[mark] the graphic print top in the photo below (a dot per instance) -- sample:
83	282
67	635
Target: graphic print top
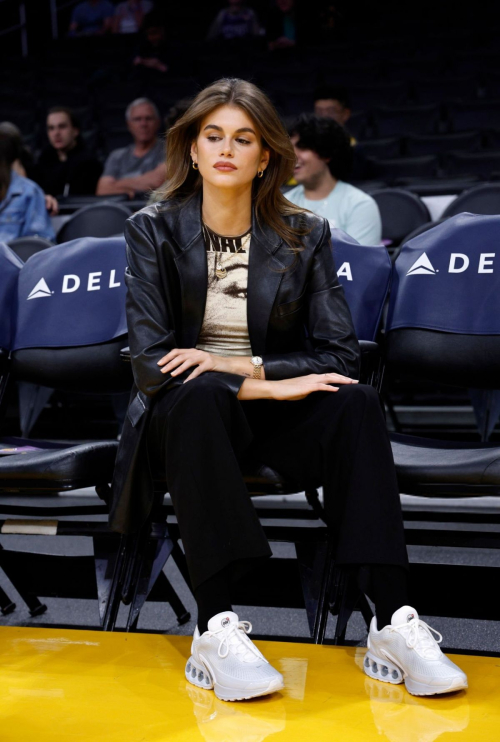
225	329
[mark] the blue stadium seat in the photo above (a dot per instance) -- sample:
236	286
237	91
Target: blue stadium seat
390	170
391	121
365	273
434	144
443	326
482	164
481	199
473	115
437	89
401	212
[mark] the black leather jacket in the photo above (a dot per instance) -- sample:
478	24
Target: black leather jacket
298	321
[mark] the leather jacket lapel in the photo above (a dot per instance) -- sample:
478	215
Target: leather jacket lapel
265	273
192	266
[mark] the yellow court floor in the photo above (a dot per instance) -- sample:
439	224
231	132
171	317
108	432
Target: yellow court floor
57	684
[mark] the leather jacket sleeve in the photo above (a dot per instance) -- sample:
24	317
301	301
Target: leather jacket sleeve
151	330
331	337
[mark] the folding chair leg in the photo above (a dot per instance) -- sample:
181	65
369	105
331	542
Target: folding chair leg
316	569
348	597
152	556
35	607
6	604
110	604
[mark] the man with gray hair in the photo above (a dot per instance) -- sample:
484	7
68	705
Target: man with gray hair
139	167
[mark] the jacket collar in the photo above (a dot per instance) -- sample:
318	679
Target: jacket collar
187	228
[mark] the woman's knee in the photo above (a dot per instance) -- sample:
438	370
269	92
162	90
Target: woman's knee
202	392
361	395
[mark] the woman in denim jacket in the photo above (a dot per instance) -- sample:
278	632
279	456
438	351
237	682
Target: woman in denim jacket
22	202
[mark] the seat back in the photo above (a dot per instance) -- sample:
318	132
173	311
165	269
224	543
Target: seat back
401	212
71	321
483	199
443	322
25	247
390	121
96	220
393	168
365	274
435	144
475	163
10	265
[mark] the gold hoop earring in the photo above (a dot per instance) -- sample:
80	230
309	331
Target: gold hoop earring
260	173
195	165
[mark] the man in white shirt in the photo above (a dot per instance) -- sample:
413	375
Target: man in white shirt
324	160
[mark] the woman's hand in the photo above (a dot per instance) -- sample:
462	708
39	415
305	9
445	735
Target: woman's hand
180	359
301	386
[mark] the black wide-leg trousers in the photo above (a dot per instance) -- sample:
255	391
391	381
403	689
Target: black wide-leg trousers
201	433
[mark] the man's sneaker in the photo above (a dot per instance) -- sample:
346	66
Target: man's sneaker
225	659
406	651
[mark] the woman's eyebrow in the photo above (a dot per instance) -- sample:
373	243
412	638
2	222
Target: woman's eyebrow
219	128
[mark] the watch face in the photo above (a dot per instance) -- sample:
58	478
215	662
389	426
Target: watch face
257	360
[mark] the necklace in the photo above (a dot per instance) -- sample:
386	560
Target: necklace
220	271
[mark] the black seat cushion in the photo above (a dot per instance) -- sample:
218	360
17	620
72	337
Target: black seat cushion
445	468
56	466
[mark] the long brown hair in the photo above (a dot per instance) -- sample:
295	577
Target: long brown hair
269	202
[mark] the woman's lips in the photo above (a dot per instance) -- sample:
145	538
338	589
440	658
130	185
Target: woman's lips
224	167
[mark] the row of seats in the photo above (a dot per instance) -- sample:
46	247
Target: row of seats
402	213
431	331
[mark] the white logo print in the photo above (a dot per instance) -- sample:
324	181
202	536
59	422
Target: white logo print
422	267
41	289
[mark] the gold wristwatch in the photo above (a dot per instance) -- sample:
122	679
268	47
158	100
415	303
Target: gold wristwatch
256	361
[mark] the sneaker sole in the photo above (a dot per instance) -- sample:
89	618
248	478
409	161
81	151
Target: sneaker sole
198	674
387	672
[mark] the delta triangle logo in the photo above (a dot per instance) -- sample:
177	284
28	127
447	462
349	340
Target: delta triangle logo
41	289
422	267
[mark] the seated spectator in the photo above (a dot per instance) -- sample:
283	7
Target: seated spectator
22	202
65	166
333	102
129	15
282	26
235	22
324	158
91	18
152	53
140	166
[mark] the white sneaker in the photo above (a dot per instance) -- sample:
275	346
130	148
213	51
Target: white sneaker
406	651
225	659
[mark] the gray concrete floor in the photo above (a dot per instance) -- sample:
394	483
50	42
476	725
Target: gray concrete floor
460	634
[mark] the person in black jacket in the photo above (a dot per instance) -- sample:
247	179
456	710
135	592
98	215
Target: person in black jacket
65	166
243	351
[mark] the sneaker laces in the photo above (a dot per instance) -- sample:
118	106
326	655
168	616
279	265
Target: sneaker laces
420	636
234	637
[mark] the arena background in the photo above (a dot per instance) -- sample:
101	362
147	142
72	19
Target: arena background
424	81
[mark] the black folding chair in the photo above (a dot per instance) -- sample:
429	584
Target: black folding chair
25	247
96	220
83	279
443	326
401	213
481	199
